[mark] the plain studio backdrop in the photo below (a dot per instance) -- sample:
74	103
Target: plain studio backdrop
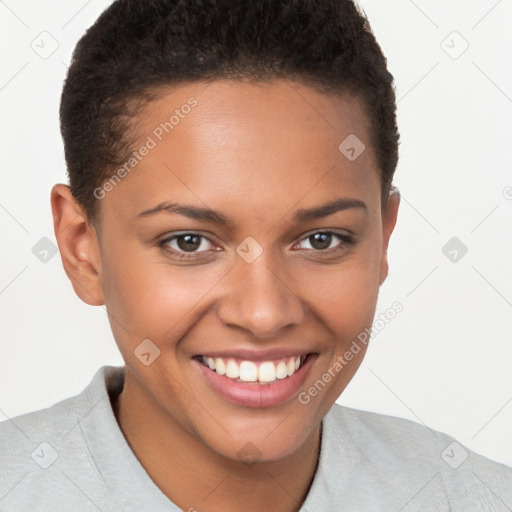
445	360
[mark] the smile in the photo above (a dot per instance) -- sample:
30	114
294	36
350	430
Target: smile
263	372
255	382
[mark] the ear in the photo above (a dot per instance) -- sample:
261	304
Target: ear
389	216
78	245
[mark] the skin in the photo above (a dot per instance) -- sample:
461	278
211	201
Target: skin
257	153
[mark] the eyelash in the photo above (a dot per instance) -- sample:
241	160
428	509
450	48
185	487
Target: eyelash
345	240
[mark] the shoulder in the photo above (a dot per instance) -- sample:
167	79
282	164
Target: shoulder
57	420
412	458
40	448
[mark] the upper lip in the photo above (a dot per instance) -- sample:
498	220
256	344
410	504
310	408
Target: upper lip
256	355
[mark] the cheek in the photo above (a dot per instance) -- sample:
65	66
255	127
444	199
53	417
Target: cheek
344	296
151	298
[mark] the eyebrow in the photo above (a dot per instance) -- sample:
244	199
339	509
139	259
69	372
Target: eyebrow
193	212
209	215
337	205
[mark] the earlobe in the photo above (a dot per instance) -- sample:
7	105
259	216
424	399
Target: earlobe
389	217
78	245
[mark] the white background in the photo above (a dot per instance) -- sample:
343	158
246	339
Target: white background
445	360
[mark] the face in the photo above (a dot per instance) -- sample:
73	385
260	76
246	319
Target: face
249	249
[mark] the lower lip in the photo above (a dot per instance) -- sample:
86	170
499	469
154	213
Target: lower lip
253	394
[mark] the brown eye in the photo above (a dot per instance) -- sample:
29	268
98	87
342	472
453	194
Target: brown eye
320	241
188	242
191	243
323	240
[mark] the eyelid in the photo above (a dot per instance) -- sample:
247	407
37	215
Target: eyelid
334	231
176	234
346	238
163	243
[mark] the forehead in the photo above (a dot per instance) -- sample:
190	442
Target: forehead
268	145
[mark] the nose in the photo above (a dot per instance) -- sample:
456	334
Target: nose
259	299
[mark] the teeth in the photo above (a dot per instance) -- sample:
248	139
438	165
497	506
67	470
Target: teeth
232	370
220	367
281	371
290	367
267	372
248	371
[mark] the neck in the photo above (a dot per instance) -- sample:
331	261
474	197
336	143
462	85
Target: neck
195	477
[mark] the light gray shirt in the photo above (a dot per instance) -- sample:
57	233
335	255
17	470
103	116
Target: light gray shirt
73	456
